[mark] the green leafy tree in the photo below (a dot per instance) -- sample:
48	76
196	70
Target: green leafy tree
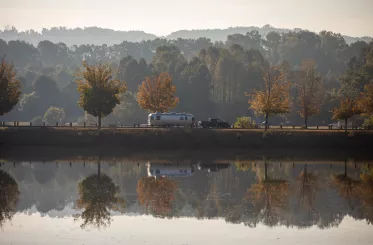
10	88
99	93
54	114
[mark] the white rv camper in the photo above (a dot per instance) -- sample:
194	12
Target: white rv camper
171	119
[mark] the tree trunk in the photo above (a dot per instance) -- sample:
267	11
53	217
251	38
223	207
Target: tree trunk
265	171
346	125
305	121
266	123
99	169
99	121
345	169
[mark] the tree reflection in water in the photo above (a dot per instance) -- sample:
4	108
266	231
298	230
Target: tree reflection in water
156	193
9	196
309	186
98	195
366	193
268	196
346	186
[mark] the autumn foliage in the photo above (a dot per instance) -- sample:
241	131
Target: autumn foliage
10	88
157	94
273	97
99	93
156	193
366	102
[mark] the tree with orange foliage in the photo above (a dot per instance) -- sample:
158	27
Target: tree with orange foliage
366	101
157	94
268	196
156	193
273	98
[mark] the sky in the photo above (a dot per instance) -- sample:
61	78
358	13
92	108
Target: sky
161	17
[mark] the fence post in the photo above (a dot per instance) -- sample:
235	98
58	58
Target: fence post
293	126
317	127
280	126
43	124
14	123
71	124
17	124
30	124
56	124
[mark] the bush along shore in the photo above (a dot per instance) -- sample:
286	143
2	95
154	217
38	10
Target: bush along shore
187	138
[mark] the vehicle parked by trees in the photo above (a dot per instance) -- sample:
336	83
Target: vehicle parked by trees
214	123
171	119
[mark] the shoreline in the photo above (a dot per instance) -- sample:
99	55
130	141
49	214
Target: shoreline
123	142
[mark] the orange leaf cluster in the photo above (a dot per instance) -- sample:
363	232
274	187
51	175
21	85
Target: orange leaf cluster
157	94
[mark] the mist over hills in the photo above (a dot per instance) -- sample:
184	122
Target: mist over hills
100	36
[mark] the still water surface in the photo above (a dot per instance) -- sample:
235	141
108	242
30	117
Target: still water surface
186	202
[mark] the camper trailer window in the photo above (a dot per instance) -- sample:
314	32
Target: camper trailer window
152	118
186	118
158	118
181	118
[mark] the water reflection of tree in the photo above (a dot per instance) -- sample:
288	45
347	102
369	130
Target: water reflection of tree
366	193
268	196
346	186
9	196
156	193
97	196
308	187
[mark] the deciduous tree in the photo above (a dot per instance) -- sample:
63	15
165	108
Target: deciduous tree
308	87
99	92
273	97
366	101
10	88
157	94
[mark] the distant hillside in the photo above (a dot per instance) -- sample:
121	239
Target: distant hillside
221	34
77	36
100	36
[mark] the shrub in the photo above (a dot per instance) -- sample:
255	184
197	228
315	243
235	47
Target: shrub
244	122
368	122
54	114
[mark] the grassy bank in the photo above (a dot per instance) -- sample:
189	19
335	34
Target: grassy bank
188	139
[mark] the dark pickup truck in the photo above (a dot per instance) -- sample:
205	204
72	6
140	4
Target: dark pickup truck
214	123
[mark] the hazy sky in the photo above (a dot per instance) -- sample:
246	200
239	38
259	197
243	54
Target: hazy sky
161	17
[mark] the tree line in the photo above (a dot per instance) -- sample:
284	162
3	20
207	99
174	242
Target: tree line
301	77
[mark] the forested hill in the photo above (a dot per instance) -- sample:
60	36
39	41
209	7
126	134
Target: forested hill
101	36
77	36
221	34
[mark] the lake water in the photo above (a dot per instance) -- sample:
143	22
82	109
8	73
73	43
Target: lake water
186	202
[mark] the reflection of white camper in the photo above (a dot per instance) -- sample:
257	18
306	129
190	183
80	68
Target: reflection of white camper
170	170
341	124
170	119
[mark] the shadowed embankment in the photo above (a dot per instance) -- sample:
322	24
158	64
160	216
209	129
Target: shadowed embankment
181	139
